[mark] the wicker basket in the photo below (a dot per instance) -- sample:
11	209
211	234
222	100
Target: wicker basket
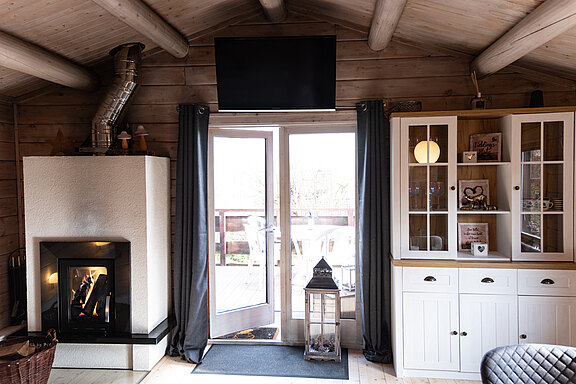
33	369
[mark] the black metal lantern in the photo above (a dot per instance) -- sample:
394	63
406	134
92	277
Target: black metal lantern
322	315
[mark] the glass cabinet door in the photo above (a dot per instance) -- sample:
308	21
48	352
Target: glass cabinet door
426	188
545	187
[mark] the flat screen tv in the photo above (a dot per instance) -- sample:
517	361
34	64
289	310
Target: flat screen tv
276	73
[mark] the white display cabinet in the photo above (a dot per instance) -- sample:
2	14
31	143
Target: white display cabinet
516	198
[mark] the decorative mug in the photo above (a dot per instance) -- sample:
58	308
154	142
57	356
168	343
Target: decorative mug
547	204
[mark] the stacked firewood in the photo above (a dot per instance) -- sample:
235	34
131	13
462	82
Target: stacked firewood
16	351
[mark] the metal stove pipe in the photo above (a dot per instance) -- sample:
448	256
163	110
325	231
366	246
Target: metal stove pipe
127	58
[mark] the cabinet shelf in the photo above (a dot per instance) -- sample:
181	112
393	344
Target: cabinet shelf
492	256
497	212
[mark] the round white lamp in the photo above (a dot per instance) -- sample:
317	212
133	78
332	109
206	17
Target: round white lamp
427	152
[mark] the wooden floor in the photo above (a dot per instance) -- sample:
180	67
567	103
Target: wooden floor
174	370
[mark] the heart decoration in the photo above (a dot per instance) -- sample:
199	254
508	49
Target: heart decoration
481	248
471	193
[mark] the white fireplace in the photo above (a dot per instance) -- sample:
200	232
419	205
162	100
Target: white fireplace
104	198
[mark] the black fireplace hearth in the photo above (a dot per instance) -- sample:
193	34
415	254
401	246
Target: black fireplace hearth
86	287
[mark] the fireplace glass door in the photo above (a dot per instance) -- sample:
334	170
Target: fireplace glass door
87	302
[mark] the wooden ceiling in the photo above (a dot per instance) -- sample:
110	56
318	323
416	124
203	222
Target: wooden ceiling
84	31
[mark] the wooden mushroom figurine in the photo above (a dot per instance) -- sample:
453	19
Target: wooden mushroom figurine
124	136
140	131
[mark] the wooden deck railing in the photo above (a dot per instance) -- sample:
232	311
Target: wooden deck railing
232	220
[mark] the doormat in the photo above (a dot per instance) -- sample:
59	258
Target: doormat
262	333
269	360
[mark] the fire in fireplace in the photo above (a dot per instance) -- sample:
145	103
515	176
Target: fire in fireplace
88	294
87	289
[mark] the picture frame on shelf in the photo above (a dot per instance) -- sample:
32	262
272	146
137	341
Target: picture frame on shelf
469	157
472	189
469	233
487	145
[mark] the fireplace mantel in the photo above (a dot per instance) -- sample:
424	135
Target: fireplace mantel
104	198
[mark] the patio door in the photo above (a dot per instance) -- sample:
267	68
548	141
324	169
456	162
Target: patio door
318	201
241	259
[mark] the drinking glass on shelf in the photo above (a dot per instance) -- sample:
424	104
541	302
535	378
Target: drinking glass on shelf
414	192
436	192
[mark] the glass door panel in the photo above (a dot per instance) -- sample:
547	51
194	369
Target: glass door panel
552	233
241	261
530	188
554	141
543	171
240	203
428	188
553	187
417	189
439	232
530	142
322	170
418	232
417	133
439	135
530	238
438	183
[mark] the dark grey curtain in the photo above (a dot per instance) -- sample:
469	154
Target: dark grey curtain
374	228
190	336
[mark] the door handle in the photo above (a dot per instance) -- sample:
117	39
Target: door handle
463	333
429	278
487	280
523	336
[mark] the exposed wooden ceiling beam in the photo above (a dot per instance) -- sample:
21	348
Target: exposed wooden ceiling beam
143	19
550	19
384	22
26	57
275	9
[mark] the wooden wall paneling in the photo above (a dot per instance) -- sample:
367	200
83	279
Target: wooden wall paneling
9	229
163	76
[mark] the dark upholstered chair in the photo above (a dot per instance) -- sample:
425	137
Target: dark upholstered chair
529	363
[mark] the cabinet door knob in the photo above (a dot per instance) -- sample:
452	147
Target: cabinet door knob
547	282
517	188
463	333
429	278
523	336
453	188
487	280
453	333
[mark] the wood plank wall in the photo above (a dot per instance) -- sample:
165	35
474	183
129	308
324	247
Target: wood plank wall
400	72
8	207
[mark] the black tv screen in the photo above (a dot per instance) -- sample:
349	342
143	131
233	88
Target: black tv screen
276	73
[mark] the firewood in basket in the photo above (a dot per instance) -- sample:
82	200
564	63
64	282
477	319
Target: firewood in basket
97	298
16	351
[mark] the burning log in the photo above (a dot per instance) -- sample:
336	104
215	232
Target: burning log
79	300
96	303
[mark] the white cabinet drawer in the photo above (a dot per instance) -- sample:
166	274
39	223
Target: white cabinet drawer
546	282
416	279
492	281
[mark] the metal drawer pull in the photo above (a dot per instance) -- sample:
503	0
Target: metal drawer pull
547	282
487	280
429	278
